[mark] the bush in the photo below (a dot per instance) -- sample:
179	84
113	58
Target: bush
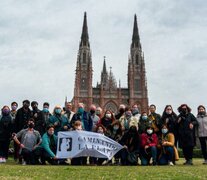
197	153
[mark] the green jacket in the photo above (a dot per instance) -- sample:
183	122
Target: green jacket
46	143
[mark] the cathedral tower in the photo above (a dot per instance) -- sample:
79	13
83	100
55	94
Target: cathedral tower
84	71
136	72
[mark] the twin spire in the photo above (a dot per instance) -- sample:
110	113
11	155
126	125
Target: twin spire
84	35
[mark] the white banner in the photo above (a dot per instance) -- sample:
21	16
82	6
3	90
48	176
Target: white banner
83	143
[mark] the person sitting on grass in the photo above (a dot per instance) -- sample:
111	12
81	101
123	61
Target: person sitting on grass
130	141
148	147
49	146
166	147
30	140
115	132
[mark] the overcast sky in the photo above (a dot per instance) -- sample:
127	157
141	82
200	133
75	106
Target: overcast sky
39	42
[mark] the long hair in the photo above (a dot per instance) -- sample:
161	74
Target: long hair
180	108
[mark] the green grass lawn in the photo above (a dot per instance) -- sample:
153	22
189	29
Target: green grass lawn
11	170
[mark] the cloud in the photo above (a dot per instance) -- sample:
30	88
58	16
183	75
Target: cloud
39	42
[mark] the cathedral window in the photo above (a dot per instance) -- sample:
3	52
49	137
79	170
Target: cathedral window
84	58
137	59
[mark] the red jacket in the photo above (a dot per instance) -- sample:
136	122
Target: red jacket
147	140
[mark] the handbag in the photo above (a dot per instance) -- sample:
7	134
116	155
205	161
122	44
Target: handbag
132	158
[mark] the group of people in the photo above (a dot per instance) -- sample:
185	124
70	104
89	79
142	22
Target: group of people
149	136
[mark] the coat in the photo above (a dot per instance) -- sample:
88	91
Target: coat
202	126
148	140
170	141
46	143
61	122
6	127
186	136
87	122
21	119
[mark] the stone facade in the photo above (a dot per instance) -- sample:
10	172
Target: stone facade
107	94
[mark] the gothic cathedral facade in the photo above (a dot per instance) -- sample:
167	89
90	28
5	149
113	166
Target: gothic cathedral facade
107	94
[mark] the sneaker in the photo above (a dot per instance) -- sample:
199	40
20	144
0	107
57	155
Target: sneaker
170	163
188	162
154	163
205	161
24	163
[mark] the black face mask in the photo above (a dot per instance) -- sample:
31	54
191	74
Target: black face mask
92	111
31	125
26	106
121	110
203	113
184	111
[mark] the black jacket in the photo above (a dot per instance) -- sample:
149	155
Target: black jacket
185	134
21	119
6	127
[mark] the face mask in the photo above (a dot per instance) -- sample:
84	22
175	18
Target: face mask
184	111
31	125
128	115
14	108
92	111
115	128
26	106
5	111
98	112
58	111
149	131
45	110
202	113
164	131
135	111
50	133
168	112
80	110
121	110
108	116
144	117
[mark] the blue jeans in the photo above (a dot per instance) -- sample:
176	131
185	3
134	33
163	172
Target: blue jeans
147	154
167	155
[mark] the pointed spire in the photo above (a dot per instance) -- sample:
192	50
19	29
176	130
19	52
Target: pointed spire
135	36
84	35
104	65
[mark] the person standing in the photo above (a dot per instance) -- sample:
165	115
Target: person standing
22	116
84	117
42	119
186	132
135	112
155	119
68	111
58	120
14	107
6	128
202	130
121	112
94	117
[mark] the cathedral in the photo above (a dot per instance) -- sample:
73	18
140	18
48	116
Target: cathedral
107	94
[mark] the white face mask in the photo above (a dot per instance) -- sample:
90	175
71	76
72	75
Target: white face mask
164	131
149	131
108	115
